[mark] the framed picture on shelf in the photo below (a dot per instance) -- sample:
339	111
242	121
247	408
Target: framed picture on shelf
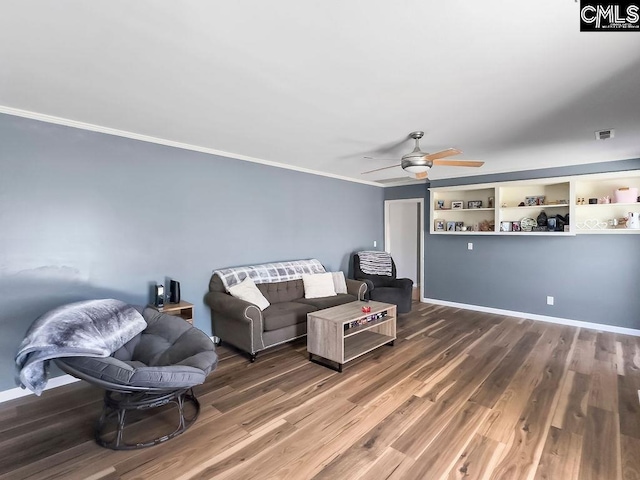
536	200
515	226
457	205
505	226
474	204
439	225
459	226
451	226
440	204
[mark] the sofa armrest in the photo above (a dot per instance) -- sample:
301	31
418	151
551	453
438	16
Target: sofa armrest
369	288
227	305
404	283
236	321
357	288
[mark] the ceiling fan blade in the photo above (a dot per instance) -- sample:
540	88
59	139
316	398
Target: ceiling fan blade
459	163
378	169
443	153
422	175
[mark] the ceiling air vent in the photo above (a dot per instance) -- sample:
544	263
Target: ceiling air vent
605	134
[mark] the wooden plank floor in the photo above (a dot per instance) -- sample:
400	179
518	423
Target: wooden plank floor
461	395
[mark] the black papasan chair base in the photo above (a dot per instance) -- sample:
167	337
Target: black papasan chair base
118	403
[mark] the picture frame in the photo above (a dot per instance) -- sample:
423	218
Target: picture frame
474	204
534	200
457	205
505	226
439	225
459	226
440	204
515	226
451	226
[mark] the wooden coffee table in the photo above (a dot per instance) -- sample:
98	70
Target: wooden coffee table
340	334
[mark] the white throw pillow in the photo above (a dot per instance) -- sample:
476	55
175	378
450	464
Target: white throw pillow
318	285
339	283
247	291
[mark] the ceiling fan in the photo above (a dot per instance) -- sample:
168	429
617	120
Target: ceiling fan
419	163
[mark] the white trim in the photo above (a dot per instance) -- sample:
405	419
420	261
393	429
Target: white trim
534	316
170	143
18	392
387	241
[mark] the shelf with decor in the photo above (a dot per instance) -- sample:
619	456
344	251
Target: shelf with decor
603	202
463	211
535	207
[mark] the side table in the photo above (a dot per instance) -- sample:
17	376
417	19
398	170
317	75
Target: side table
182	309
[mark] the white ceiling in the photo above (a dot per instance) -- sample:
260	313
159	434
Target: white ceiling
321	84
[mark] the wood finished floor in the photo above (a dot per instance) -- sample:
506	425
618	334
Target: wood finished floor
461	395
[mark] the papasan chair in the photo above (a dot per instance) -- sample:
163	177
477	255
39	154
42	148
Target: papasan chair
158	365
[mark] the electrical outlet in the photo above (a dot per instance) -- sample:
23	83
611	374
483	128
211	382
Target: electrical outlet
375	244
470	246
550	300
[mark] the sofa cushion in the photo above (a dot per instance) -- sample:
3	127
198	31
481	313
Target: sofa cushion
284	314
247	291
326	302
339	282
318	286
287	291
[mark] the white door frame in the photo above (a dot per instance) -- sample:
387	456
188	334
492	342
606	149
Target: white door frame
387	233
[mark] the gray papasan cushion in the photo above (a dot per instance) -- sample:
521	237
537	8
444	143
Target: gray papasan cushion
169	353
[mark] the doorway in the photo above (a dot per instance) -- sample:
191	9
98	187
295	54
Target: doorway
404	239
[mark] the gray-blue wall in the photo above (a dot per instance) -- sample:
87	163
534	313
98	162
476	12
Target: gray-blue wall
88	215
594	278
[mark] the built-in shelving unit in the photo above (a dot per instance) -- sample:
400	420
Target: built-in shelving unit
509	208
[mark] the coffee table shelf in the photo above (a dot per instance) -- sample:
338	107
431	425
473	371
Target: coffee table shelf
330	340
367	326
363	343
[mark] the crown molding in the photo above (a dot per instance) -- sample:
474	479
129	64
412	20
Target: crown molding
170	143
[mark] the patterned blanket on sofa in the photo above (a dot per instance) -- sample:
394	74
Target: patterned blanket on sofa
269	272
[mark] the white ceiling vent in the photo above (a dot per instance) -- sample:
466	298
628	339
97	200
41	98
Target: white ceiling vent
605	134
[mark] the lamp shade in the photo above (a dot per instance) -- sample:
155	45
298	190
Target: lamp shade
417	168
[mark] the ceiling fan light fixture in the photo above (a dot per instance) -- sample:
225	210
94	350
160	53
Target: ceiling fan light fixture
417	168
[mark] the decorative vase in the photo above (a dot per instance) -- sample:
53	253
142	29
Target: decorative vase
542	219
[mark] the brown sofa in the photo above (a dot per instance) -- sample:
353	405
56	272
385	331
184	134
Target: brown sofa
244	326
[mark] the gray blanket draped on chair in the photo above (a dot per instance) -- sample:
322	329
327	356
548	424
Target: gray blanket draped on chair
94	328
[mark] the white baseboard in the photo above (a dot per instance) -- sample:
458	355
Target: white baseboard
534	316
18	392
